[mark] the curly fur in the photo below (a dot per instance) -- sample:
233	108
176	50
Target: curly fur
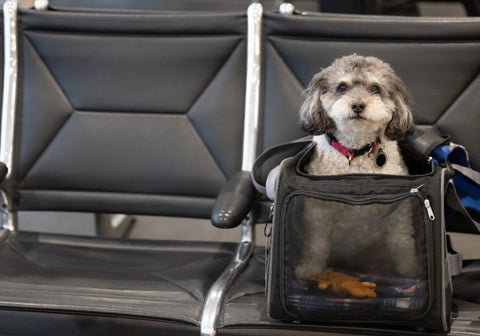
329	107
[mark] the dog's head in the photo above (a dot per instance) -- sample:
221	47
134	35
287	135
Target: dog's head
357	96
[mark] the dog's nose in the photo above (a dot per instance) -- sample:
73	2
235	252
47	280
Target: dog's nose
358	107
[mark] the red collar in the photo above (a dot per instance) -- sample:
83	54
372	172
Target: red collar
349	153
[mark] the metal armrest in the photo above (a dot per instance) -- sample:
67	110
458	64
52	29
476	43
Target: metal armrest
234	201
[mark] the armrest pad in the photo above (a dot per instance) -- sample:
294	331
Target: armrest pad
234	201
3	171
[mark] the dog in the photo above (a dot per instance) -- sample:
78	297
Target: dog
357	109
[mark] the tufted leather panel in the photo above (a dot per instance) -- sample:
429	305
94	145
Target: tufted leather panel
118	108
438	59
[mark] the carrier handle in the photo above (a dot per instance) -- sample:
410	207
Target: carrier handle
425	139
465	222
274	156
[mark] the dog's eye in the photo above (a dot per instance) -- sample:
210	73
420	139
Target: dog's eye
342	88
375	89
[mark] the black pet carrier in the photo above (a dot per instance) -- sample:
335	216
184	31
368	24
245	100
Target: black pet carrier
359	248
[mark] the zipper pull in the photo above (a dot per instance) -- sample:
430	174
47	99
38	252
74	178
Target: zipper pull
431	215
270	213
426	201
416	190
267	231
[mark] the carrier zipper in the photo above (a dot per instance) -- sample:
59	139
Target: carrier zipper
426	202
418	192
353	200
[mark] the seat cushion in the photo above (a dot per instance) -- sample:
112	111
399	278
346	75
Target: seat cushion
156	279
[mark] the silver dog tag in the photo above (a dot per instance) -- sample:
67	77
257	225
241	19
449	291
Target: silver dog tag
380	158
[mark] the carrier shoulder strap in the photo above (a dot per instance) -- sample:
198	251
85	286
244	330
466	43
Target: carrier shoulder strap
468	172
425	139
463	222
460	195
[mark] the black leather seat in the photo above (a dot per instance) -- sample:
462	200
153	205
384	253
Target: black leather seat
438	59
117	113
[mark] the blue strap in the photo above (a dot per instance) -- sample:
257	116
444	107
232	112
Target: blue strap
453	154
467	188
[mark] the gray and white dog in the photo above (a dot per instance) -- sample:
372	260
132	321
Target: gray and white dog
357	109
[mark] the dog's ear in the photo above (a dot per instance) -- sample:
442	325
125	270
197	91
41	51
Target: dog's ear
401	126
313	117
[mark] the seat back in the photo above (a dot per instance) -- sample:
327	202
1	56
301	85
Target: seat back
127	112
172	5
439	60
148	5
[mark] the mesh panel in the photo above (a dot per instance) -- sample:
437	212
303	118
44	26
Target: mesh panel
361	258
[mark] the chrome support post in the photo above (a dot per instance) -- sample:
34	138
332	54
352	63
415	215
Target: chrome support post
41	4
214	302
9	218
286	8
212	308
10	9
252	100
9	82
